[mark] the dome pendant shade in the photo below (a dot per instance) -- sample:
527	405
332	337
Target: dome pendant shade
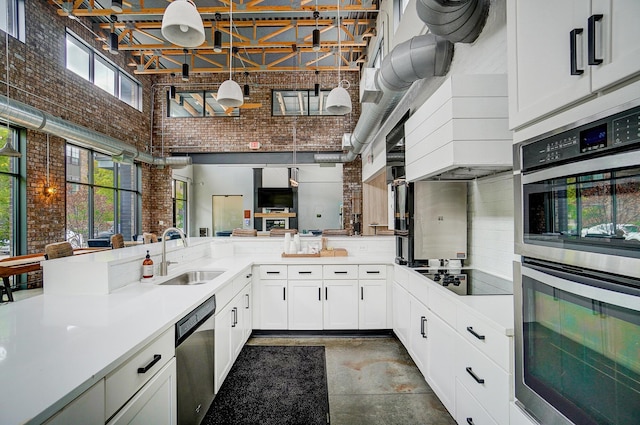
338	101
230	94
8	150
182	24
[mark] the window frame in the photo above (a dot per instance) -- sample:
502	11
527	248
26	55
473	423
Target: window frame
310	94
175	198
119	73
16	18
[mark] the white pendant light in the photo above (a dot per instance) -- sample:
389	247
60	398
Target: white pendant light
339	101
229	93
182	24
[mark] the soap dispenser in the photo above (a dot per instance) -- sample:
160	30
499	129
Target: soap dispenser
147	267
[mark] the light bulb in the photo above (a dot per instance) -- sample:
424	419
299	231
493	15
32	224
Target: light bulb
184	28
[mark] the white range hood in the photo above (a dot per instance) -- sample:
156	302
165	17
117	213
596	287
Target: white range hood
461	132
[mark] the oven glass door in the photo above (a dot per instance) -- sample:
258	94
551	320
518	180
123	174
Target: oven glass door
581	348
597	212
401	208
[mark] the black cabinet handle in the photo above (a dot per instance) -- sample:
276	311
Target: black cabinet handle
326	293
591	40
373	271
319	294
474	376
423	327
470	421
573	47
248	303
156	359
235	317
362	292
273	272
474	333
249	276
304	272
284	293
340	272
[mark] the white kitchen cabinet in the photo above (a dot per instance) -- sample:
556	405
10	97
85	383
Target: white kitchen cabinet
469	410
540	35
273	304
155	403
441	360
340	306
305	305
401	314
372	308
247	312
419	334
86	409
518	417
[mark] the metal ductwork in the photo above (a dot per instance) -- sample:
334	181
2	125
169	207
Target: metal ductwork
421	57
456	20
32	118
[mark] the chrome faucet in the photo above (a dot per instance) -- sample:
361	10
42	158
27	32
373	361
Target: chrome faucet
164	264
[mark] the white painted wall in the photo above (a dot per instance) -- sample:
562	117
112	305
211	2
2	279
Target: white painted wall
490	224
209	180
319	193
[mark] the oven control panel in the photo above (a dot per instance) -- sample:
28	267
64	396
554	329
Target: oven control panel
616	132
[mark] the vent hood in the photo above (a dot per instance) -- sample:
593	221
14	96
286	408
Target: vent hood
461	132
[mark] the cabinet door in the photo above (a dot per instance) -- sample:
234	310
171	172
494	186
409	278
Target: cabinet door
420	335
238	325
617	34
401	313
372	310
340	304
155	403
223	350
441	361
273	304
305	304
540	79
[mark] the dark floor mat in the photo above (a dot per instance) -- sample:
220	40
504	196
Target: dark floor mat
273	385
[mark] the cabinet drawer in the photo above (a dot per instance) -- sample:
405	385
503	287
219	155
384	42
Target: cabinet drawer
442	304
468	410
419	287
125	381
241	280
305	272
273	272
484	379
401	275
337	271
372	271
479	333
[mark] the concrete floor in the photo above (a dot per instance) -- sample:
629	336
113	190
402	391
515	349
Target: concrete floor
372	381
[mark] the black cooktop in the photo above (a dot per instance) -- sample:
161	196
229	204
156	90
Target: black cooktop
469	281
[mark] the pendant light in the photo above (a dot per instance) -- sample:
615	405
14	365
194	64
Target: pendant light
113	37
7	149
116	6
316	31
245	90
182	24
229	92
217	36
185	67
339	101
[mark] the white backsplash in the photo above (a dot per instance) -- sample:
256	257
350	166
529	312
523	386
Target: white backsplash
490	224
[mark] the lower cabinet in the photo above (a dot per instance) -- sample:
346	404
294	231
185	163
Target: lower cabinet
273	304
401	314
155	403
232	328
419	338
468	410
305	305
372	307
340	307
441	359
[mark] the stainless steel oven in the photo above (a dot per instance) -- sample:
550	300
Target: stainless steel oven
577	345
577	286
580	195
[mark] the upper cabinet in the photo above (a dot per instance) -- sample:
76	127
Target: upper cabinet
561	53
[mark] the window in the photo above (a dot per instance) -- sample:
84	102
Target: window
379	54
298	102
399	7
103	196
12	18
197	104
179	190
95	68
10	197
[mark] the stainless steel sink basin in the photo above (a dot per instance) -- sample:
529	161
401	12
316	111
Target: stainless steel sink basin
194	277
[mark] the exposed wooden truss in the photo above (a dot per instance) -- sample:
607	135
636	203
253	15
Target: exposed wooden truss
268	36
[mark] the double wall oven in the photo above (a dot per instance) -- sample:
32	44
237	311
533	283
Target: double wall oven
577	286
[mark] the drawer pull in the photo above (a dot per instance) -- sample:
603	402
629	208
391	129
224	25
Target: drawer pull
474	376
248	306
423	327
362	292
284	293
273	272
156	359
573	51
249	276
373	271
474	333
340	272
591	40
470	421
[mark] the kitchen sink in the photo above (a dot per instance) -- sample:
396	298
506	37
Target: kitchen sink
194	277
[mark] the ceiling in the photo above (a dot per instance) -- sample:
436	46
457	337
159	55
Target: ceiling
270	35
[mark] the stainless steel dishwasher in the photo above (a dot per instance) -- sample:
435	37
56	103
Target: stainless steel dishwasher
194	359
